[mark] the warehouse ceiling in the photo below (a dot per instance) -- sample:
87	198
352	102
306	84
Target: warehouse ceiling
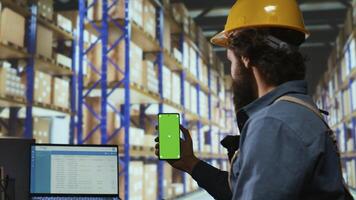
322	17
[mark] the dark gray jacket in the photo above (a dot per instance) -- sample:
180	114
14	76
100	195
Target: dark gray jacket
285	154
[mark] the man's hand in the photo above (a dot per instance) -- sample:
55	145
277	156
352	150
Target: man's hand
187	159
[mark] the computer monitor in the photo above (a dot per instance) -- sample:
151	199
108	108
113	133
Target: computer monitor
68	170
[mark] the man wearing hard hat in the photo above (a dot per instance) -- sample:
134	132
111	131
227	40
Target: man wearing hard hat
286	150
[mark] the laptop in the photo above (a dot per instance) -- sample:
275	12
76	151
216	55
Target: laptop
74	171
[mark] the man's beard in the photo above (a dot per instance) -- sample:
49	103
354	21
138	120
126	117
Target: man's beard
244	87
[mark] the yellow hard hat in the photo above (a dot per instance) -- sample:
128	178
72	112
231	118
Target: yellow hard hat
262	14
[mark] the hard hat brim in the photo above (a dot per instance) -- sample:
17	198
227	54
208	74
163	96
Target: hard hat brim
221	39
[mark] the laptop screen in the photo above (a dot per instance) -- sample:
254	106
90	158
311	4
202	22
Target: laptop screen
74	170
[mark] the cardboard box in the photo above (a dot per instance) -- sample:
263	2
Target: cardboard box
166	4
178	55
136	180
64	23
60	92
148	73
121	183
136	137
10	83
167	182
12	27
178	189
136	55
150	181
353	53
187	95
45	8
118	10
193	30
149	140
181	15
149	18
44	41
194	99
346	103
176	94
348	25
64	60
42	129
42	90
167	80
167	35
193	61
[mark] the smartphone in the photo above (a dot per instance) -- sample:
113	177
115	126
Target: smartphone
169	136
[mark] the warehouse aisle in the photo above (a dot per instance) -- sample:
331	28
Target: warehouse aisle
201	194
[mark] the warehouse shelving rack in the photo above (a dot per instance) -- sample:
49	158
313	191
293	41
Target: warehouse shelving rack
34	62
342	124
132	31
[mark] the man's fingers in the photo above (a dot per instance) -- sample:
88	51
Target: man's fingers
185	133
157	152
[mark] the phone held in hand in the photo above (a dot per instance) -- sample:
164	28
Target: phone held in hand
169	136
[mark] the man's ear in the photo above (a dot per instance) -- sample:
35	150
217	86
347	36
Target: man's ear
246	61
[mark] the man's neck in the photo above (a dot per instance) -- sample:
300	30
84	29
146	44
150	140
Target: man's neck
262	87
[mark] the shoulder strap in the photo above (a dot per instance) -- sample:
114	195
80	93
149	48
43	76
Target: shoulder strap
331	133
302	103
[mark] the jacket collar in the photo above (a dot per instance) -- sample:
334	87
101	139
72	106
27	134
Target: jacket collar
299	87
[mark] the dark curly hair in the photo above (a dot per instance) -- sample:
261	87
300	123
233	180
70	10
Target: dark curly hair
277	65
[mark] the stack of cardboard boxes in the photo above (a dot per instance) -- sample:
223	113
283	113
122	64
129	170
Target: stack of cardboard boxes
167	182
42	91
194	99
136	180
12	27
10	82
187	96
193	62
150	181
44	41
45	8
136	71
176	93
60	92
350	169
42	129
181	15
204	107
150	76
167	83
149	18
186	53
117	11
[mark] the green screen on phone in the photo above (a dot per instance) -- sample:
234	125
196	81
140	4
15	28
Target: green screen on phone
169	136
